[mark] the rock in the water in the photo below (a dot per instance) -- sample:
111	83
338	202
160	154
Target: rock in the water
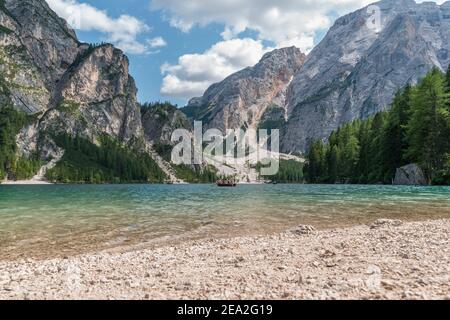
409	175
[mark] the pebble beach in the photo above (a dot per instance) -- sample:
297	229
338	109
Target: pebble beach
388	259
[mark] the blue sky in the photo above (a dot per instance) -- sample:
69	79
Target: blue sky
177	48
146	68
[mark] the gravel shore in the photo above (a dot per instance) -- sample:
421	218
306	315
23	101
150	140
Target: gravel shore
386	260
24	182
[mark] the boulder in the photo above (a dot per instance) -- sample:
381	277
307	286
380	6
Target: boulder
409	175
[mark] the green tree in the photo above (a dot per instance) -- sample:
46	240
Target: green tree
415	129
374	152
364	156
394	141
110	162
11	163
428	130
316	168
333	161
447	80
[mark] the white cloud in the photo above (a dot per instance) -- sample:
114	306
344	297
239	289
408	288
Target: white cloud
285	22
122	31
157	42
194	73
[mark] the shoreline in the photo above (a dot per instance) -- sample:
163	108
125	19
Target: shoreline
389	259
257	183
25	183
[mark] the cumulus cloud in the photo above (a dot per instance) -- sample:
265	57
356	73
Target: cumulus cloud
285	22
157	42
122	31
193	73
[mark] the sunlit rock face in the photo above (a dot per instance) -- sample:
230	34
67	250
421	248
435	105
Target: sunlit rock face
98	96
242	99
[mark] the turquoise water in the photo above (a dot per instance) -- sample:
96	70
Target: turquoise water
42	221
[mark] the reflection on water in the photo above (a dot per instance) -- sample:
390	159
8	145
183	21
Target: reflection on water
43	221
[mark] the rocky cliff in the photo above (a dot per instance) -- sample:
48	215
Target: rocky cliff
356	69
71	87
242	99
160	120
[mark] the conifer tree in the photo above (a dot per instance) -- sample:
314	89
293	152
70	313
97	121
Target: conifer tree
416	129
374	153
394	142
317	165
447	80
428	132
333	162
364	160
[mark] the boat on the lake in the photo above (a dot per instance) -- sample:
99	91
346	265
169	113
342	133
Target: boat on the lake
226	183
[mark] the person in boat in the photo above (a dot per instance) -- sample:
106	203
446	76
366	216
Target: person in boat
226	183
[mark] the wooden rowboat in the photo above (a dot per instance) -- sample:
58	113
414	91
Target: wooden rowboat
226	183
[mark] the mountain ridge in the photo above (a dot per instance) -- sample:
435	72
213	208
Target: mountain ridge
241	99
353	73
